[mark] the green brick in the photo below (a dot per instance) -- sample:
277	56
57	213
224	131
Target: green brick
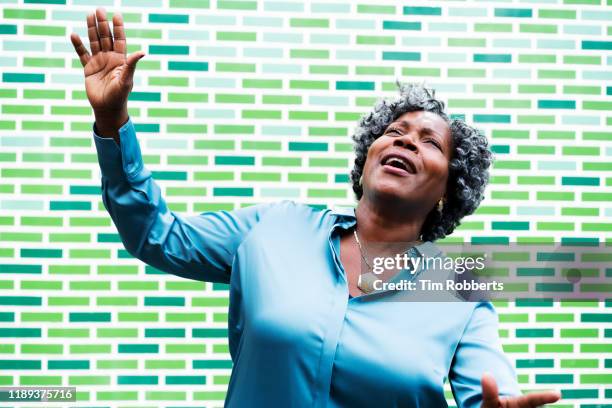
579	363
538	28
236	36
313	54
281	99
308	84
375	9
582	59
309	22
328	69
419	72
580	151
262	83
578	333
260	176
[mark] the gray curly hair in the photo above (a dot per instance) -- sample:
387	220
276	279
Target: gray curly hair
468	167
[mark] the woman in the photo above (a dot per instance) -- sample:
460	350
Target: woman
303	330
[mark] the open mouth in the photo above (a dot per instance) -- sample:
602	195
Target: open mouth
398	162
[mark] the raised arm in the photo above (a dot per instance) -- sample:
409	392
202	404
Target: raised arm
198	247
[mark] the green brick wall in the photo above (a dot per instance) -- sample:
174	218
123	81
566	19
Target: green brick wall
239	102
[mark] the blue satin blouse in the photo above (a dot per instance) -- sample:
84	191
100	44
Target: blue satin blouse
296	338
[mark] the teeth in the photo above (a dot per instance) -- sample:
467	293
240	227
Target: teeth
396	160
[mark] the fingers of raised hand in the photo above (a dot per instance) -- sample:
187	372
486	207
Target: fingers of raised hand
92	33
119	34
531	400
80	48
106	39
490	397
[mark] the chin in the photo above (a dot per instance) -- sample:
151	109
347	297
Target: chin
388	190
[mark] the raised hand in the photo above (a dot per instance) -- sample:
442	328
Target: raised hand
109	74
491	398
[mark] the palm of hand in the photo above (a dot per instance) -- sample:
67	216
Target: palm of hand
103	79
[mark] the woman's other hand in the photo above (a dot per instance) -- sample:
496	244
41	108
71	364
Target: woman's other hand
109	74
491	398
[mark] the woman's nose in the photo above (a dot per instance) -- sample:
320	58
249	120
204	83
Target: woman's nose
406	141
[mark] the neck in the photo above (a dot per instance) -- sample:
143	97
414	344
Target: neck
378	224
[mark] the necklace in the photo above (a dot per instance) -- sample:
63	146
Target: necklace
366	284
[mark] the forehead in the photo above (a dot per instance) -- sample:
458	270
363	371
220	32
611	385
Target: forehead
425	119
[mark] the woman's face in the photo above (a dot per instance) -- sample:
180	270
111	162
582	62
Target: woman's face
409	162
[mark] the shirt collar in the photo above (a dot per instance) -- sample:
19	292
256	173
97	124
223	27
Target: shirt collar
343	214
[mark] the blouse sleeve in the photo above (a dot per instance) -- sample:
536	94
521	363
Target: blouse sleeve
480	350
199	247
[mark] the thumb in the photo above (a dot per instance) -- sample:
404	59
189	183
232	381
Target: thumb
128	73
490	396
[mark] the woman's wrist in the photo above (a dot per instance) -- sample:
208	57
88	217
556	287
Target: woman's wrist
108	123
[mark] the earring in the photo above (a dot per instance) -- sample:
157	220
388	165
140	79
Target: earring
440	205
361	180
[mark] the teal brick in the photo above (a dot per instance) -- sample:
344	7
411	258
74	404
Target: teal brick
507	12
17	268
90	317
187	66
145	96
596	317
87	190
510	225
597	45
7	317
534	333
169	175
169	49
354	86
164	301
235	160
20	365
206	333
185	380
8	29
69	205
401	56
579	181
211	364
40	253
506	58
422	11
535	363
554	378
146	127
137	380
308	147
178	333
20	301
20	332
401	25
169	18
556	104
484	118
68	365
233	192
138	348
18	77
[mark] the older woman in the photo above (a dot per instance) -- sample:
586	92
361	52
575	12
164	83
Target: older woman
304	331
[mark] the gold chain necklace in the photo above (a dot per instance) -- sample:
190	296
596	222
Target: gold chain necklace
369	276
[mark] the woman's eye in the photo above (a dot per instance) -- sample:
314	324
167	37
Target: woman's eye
435	143
394	131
